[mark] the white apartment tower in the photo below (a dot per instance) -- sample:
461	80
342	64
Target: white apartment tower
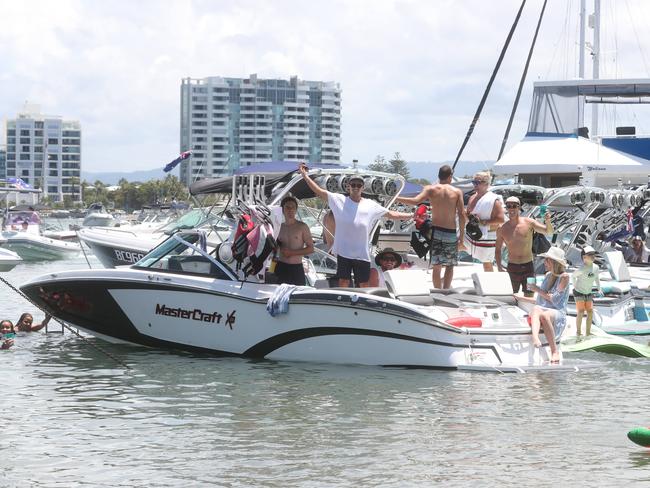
45	152
233	122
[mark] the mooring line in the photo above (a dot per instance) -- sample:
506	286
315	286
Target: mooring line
65	326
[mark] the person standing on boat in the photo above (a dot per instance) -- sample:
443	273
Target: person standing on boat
584	280
446	203
294	241
355	217
549	312
517	235
486	209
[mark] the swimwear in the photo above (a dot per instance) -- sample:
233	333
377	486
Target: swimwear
444	246
292	274
346	266
583	297
519	274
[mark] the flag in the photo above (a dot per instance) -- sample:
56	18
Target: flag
630	218
174	163
18	183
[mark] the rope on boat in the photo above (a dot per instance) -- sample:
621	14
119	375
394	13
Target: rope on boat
65	326
81	245
521	84
489	86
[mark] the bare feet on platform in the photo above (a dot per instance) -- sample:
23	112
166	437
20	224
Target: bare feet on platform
555	358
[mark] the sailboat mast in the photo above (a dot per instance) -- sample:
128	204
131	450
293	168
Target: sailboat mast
596	65
583	16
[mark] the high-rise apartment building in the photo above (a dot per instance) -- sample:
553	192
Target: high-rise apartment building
45	152
3	163
233	122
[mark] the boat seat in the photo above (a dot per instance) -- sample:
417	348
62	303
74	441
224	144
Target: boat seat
375	291
492	284
442	300
197	265
485	300
409	285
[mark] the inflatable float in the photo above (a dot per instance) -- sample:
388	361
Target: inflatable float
640	436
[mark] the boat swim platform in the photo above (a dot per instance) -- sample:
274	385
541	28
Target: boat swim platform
565	366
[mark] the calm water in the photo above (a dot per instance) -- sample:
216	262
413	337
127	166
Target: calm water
75	418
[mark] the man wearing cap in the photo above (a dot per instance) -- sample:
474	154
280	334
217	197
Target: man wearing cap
517	235
584	280
446	203
355	217
637	252
386	260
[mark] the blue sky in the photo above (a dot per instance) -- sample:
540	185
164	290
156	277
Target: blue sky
412	72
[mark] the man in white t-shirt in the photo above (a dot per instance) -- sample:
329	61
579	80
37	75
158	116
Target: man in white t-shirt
355	217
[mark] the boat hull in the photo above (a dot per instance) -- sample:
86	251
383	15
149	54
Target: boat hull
230	318
38	248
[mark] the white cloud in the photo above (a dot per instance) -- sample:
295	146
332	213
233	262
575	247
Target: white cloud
412	72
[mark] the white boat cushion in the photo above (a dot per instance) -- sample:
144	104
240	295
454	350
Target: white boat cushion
492	283
407	282
617	266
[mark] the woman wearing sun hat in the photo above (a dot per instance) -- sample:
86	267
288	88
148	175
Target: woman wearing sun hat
385	260
549	312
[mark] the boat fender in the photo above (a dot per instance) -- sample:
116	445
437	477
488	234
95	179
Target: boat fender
465	321
640	436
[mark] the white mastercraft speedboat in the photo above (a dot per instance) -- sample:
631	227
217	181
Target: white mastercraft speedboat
190	293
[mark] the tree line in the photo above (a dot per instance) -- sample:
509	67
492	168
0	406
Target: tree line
128	196
395	165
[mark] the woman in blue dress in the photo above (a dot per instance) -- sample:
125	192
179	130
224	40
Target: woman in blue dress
549	312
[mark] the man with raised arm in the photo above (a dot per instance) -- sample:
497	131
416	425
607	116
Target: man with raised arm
355	217
446	203
517	235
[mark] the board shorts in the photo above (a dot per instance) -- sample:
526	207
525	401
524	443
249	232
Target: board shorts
519	274
444	246
292	274
345	267
583	297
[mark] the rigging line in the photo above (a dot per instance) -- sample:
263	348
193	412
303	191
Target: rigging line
636	35
489	85
65	326
521	82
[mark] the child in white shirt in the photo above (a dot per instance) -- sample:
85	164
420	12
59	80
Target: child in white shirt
583	280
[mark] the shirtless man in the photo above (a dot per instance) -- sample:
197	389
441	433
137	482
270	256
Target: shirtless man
446	204
517	235
355	217
295	241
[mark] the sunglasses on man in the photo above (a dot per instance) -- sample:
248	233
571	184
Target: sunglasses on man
356	185
478	182
512	205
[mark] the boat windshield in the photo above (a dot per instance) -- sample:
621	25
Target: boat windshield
182	253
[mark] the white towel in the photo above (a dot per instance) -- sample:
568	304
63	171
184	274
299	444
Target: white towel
483	209
483	249
279	301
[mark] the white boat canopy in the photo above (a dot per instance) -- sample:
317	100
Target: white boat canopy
546	154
